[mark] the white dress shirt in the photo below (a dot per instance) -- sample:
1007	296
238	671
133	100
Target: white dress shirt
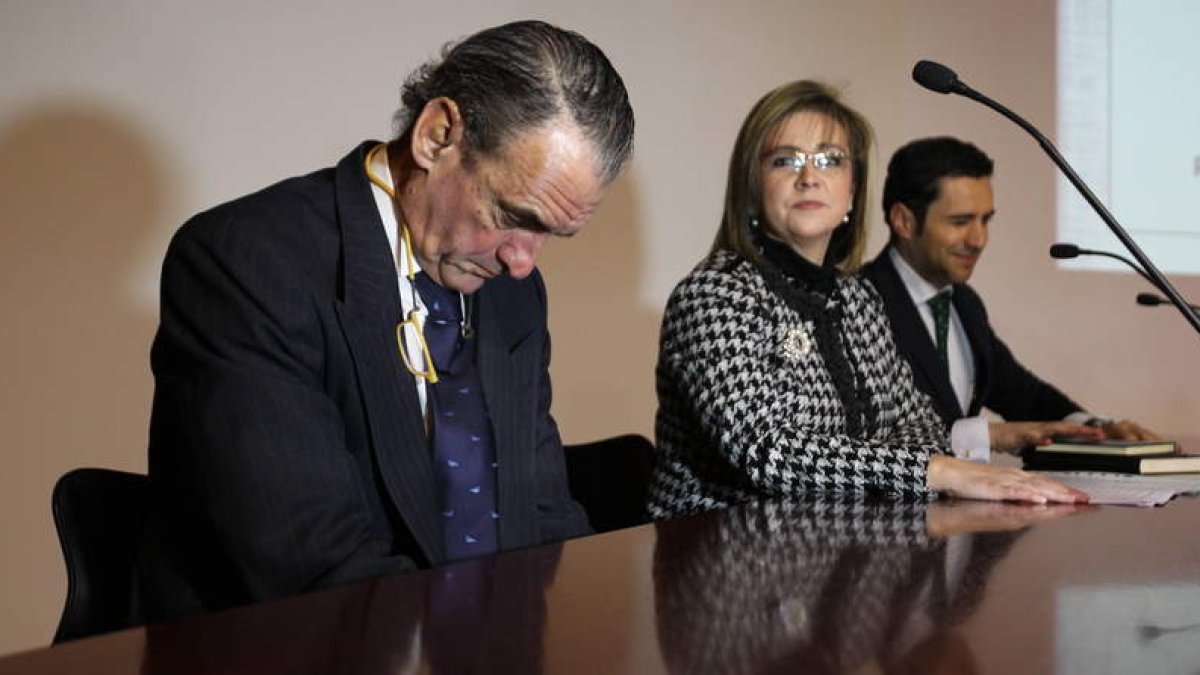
409	298
969	437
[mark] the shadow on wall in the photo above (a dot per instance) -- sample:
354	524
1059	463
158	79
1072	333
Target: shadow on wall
605	341
82	192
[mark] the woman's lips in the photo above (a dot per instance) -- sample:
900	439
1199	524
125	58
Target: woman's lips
809	205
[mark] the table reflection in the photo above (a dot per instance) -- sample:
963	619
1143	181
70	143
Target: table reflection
837	585
822	586
485	615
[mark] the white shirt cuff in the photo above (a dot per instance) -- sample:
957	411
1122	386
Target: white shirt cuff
970	440
1083	417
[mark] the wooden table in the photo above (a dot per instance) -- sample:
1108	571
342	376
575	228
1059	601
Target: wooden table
822	586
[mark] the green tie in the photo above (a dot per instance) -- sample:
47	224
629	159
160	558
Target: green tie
940	304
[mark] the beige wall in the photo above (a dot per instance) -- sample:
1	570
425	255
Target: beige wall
119	119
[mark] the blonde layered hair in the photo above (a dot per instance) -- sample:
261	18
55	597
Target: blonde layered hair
743	191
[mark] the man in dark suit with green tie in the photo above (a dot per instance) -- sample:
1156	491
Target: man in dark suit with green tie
938	202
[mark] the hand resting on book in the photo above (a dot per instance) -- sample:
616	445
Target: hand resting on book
1012	437
1128	430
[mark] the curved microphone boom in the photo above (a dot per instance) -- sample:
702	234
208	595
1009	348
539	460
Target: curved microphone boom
1068	251
936	77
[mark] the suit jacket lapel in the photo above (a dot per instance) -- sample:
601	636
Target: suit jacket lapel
506	373
913	339
369	317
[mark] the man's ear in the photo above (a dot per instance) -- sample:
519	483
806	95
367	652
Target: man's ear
903	221
437	131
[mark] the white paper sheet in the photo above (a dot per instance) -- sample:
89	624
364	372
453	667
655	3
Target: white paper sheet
1128	489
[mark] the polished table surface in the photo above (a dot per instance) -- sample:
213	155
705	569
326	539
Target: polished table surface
826	586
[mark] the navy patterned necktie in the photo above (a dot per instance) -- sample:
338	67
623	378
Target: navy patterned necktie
940	304
464	454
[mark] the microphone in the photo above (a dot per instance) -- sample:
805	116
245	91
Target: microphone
1067	251
1152	300
936	77
939	78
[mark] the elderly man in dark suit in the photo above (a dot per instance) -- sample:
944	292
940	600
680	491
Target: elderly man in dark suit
351	366
938	202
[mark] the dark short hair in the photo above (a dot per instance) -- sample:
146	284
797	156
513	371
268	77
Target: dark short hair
743	188
518	76
915	171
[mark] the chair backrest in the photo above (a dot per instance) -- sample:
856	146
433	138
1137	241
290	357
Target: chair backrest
99	515
611	479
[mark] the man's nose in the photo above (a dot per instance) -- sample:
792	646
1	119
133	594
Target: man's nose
519	253
977	235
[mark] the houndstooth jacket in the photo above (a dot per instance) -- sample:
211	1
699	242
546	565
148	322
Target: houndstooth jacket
769	388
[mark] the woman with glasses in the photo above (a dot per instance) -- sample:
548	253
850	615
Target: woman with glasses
777	373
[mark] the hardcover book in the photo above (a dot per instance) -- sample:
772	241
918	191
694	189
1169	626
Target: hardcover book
1153	464
1109	447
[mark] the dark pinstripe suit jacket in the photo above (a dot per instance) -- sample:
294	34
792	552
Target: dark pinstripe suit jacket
287	448
1002	384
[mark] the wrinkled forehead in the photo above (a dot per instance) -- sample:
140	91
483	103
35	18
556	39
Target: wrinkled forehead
555	146
553	170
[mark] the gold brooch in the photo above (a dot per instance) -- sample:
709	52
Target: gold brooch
796	344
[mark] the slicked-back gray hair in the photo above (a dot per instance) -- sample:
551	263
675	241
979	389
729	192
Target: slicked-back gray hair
521	75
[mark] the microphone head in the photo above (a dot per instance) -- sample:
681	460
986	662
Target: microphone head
1149	299
936	77
1064	251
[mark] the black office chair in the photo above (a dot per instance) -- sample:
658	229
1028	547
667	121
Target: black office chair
99	515
611	479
